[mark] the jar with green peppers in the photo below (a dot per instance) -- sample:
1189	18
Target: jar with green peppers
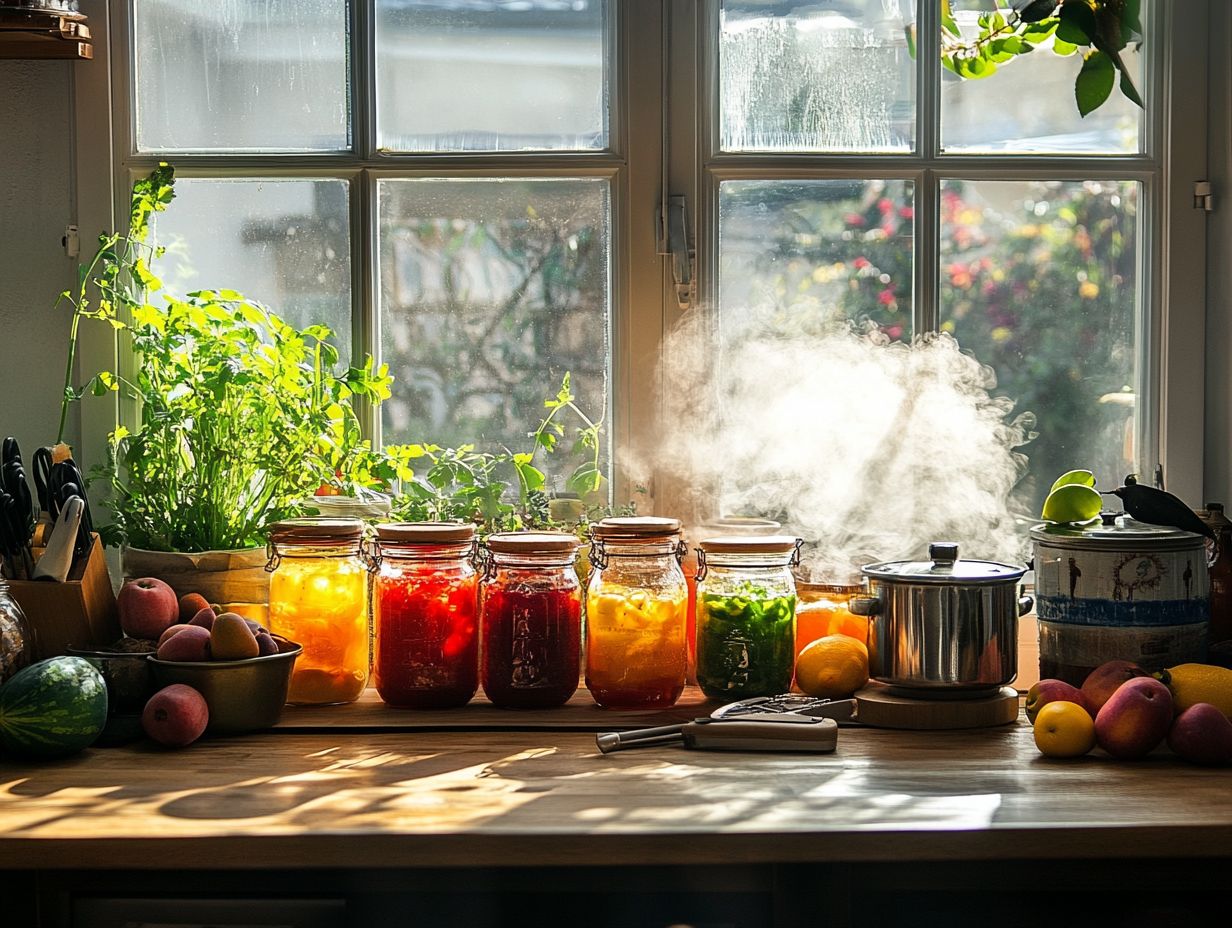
746	615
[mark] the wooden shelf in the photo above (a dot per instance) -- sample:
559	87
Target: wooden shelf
41	35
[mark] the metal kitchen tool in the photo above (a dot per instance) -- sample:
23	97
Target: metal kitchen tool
786	709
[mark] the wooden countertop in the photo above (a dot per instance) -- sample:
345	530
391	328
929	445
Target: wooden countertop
485	798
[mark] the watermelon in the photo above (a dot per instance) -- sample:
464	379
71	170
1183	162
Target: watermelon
52	709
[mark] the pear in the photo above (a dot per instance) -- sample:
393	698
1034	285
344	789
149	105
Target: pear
231	639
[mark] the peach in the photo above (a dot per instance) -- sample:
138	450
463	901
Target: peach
147	606
1046	691
1135	718
192	643
171	630
190	605
1105	679
204	618
1202	734
175	716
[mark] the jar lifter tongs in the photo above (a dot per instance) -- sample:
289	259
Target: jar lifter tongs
765	723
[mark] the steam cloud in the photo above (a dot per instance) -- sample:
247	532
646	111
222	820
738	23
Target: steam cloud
866	448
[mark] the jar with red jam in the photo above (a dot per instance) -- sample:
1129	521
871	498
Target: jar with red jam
425	615
530	607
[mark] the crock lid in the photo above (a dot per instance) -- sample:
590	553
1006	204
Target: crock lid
533	543
316	531
425	533
944	566
1115	532
743	525
749	544
636	529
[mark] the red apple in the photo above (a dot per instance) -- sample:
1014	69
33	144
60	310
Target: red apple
1135	719
1046	691
147	607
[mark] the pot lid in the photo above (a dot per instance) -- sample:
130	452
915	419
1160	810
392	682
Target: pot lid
534	543
945	567
635	529
316	531
425	533
1113	532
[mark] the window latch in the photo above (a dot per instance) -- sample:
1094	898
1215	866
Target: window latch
1204	199
674	242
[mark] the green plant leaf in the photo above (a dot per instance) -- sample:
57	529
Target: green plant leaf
1130	91
1081	477
1095	81
1077	25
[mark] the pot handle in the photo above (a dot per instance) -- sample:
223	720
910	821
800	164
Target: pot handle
1025	604
864	605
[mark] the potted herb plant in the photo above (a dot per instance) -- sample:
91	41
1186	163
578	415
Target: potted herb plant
239	415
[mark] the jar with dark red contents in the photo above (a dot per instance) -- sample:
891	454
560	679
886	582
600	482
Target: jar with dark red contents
425	615
530	604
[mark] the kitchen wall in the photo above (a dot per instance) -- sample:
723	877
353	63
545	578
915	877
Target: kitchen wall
1218	477
36	203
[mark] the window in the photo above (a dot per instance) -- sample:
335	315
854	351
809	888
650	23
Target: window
476	192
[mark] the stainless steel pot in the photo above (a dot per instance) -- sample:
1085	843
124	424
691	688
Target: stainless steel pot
943	627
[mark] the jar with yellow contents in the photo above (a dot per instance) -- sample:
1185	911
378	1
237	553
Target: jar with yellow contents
319	598
636	601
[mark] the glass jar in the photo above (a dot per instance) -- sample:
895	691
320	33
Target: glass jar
425	615
16	635
636	601
746	615
530	615
319	598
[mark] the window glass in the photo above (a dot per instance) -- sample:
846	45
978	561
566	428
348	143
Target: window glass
491	290
1040	281
241	75
805	250
284	243
1028	106
831	76
501	75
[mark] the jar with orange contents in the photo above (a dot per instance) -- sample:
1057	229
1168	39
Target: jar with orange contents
319	598
823	610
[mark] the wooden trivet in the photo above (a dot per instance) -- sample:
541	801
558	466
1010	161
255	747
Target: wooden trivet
877	706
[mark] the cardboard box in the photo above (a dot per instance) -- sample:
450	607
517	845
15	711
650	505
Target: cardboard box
80	612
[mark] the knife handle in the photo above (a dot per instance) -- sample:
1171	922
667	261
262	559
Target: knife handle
818	736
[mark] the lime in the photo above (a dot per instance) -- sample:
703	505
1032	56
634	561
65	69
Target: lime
1081	477
1072	502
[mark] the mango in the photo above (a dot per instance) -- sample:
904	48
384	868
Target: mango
1135	719
231	639
1046	691
1105	679
1202	734
192	643
175	716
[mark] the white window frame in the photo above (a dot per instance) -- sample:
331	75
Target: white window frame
663	141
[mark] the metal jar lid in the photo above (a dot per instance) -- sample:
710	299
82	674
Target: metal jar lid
632	530
945	567
316	531
424	533
749	544
1115	533
534	543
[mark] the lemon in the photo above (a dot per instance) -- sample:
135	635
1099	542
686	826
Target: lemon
1072	502
1064	729
832	667
1081	477
1195	683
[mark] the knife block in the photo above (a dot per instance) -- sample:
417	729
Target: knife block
80	612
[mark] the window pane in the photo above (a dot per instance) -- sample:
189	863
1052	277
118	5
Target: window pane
805	251
284	243
491	290
492	76
245	75
831	76
1028	105
1040	281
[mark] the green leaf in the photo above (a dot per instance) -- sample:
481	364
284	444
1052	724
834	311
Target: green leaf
1094	82
1131	17
1130	91
1064	49
1082	477
1077	25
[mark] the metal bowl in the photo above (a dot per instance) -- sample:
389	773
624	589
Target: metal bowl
243	696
